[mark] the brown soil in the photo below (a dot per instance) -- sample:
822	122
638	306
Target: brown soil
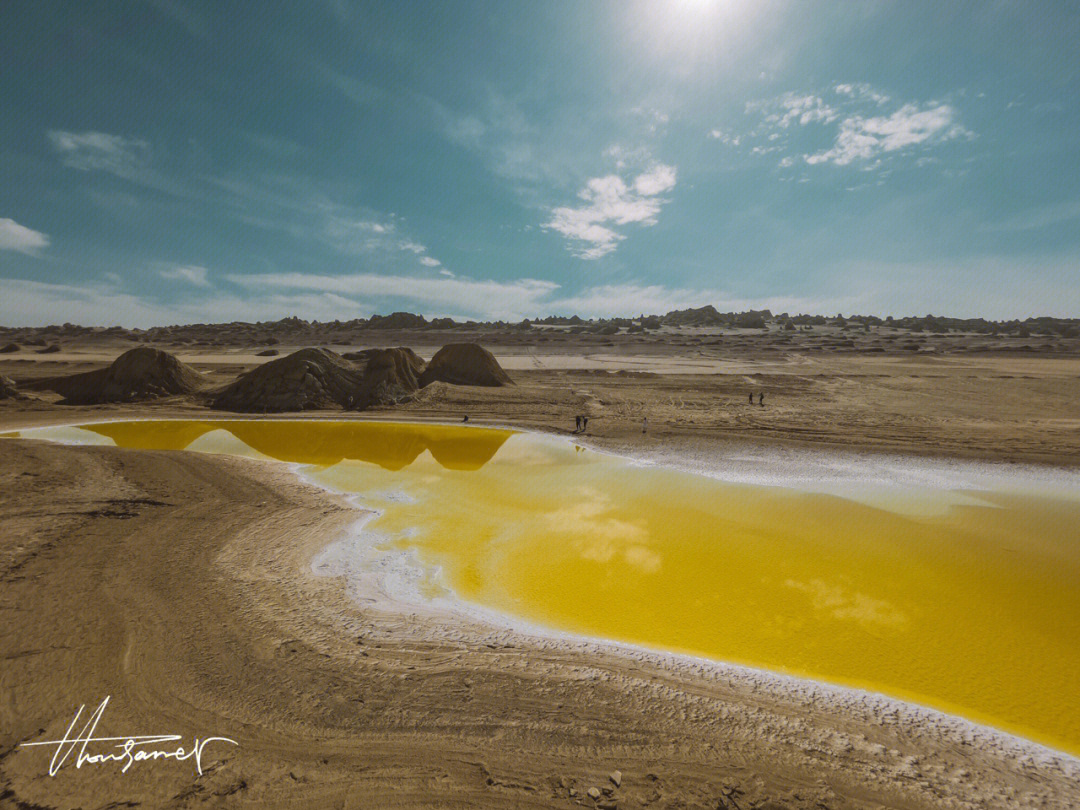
390	376
141	373
465	364
305	380
180	585
8	390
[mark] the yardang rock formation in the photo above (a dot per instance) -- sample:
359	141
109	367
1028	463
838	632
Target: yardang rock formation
141	373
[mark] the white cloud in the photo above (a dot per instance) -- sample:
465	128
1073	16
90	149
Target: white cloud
861	90
610	201
192	274
793	108
629	158
33	303
1037	285
862	138
657	180
99	151
489	299
364	235
351	235
625	300
654	119
524	298
863	133
725	137
14	236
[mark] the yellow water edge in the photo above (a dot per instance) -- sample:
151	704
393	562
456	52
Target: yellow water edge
971	605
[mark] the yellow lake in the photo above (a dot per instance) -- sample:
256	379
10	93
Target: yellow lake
969	604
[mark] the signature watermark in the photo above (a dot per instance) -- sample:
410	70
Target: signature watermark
128	749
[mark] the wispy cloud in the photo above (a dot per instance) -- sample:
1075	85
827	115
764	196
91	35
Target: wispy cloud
864	134
14	236
655	119
522	298
862	138
491	299
34	303
911	288
794	108
1038	218
99	151
531	154
312	213
189	273
610	202
351	235
725	136
861	90
355	90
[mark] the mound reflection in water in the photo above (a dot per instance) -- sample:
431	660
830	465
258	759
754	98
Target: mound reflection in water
391	446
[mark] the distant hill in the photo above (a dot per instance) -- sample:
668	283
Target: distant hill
299	331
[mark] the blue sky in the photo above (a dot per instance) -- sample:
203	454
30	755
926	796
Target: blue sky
169	162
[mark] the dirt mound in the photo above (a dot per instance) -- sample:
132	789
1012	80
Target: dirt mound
50	349
142	373
390	375
8	389
303	380
465	364
10	348
362	357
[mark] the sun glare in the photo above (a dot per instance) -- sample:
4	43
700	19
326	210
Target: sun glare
692	28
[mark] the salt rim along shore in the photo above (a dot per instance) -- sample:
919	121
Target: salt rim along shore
387	581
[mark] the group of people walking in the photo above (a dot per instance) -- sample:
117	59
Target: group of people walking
581	424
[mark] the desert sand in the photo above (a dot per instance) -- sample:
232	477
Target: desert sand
181	586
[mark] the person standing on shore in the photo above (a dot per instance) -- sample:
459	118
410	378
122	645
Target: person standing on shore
751	397
577	424
760	399
645	425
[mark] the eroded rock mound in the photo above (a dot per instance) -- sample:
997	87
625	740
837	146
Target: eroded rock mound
304	380
390	375
465	364
10	348
8	389
141	373
397	320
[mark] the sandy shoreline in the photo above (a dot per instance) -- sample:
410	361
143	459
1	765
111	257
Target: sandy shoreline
533	711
